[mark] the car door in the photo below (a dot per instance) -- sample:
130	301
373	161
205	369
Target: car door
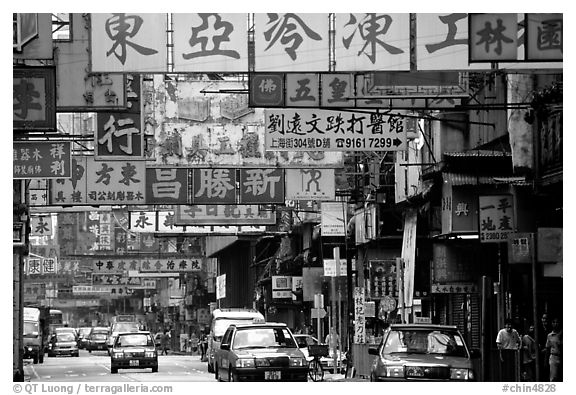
223	356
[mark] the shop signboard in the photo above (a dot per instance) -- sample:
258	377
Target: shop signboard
496	219
34	98
310	184
41	160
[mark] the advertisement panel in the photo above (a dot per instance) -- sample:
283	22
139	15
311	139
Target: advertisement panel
496	220
326	130
41	159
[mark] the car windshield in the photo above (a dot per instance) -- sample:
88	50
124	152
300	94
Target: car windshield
263	338
99	336
65	337
135	340
425	341
30	329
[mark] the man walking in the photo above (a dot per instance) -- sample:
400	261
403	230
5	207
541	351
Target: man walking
508	342
554	351
165	342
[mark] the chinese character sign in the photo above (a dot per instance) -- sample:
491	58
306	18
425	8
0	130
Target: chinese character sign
492	37
213	186
119	135
262	186
372	42
167	186
70	191
359	316
267	90
210	42
291	42
302	90
41	160
496	218
325	130
544	37
34	98
228	214
143	221
41	225
116	182
128	42
337	90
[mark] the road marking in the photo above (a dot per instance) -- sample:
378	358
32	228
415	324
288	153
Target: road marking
34	372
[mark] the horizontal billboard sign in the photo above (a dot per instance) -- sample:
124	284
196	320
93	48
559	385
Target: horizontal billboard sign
41	159
230	214
325	130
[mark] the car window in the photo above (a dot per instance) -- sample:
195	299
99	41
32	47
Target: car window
221	324
99	336
135	340
263	337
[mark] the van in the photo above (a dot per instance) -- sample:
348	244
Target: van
220	320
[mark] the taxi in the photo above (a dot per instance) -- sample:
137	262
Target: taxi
133	350
259	352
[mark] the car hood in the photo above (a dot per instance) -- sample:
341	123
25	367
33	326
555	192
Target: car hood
427	359
270	353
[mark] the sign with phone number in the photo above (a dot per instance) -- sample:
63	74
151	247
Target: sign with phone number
325	130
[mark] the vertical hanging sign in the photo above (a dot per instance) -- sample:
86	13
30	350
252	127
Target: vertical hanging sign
496	222
359	316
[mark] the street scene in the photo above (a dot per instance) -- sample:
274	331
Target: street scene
288	197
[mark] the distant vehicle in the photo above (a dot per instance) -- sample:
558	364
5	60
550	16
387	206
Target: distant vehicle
97	339
56	320
260	352
122	326
63	343
83	334
422	352
35	333
327	362
133	350
220	320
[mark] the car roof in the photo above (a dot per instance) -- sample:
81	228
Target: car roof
261	325
423	326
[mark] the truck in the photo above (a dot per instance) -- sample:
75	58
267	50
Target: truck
35	333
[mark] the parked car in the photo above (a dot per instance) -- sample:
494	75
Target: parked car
259	352
327	363
133	350
97	340
418	352
63	344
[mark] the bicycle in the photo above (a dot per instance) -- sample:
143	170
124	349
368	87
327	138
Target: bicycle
315	369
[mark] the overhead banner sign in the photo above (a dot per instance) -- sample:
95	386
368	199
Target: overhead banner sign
171	265
496	218
41	159
310	184
230	214
325	130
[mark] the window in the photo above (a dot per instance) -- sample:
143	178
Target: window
61	27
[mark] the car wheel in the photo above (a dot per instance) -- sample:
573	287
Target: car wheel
77	354
89	351
154	369
113	370
41	358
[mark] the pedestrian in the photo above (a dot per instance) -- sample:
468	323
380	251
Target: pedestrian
203	345
554	351
543	331
508	342
529	350
332	339
165	342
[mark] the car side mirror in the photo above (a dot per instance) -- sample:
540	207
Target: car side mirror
373	351
475	353
225	346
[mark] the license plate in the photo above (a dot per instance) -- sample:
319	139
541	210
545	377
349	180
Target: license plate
272	375
134	362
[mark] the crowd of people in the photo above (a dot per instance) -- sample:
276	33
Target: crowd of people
521	351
